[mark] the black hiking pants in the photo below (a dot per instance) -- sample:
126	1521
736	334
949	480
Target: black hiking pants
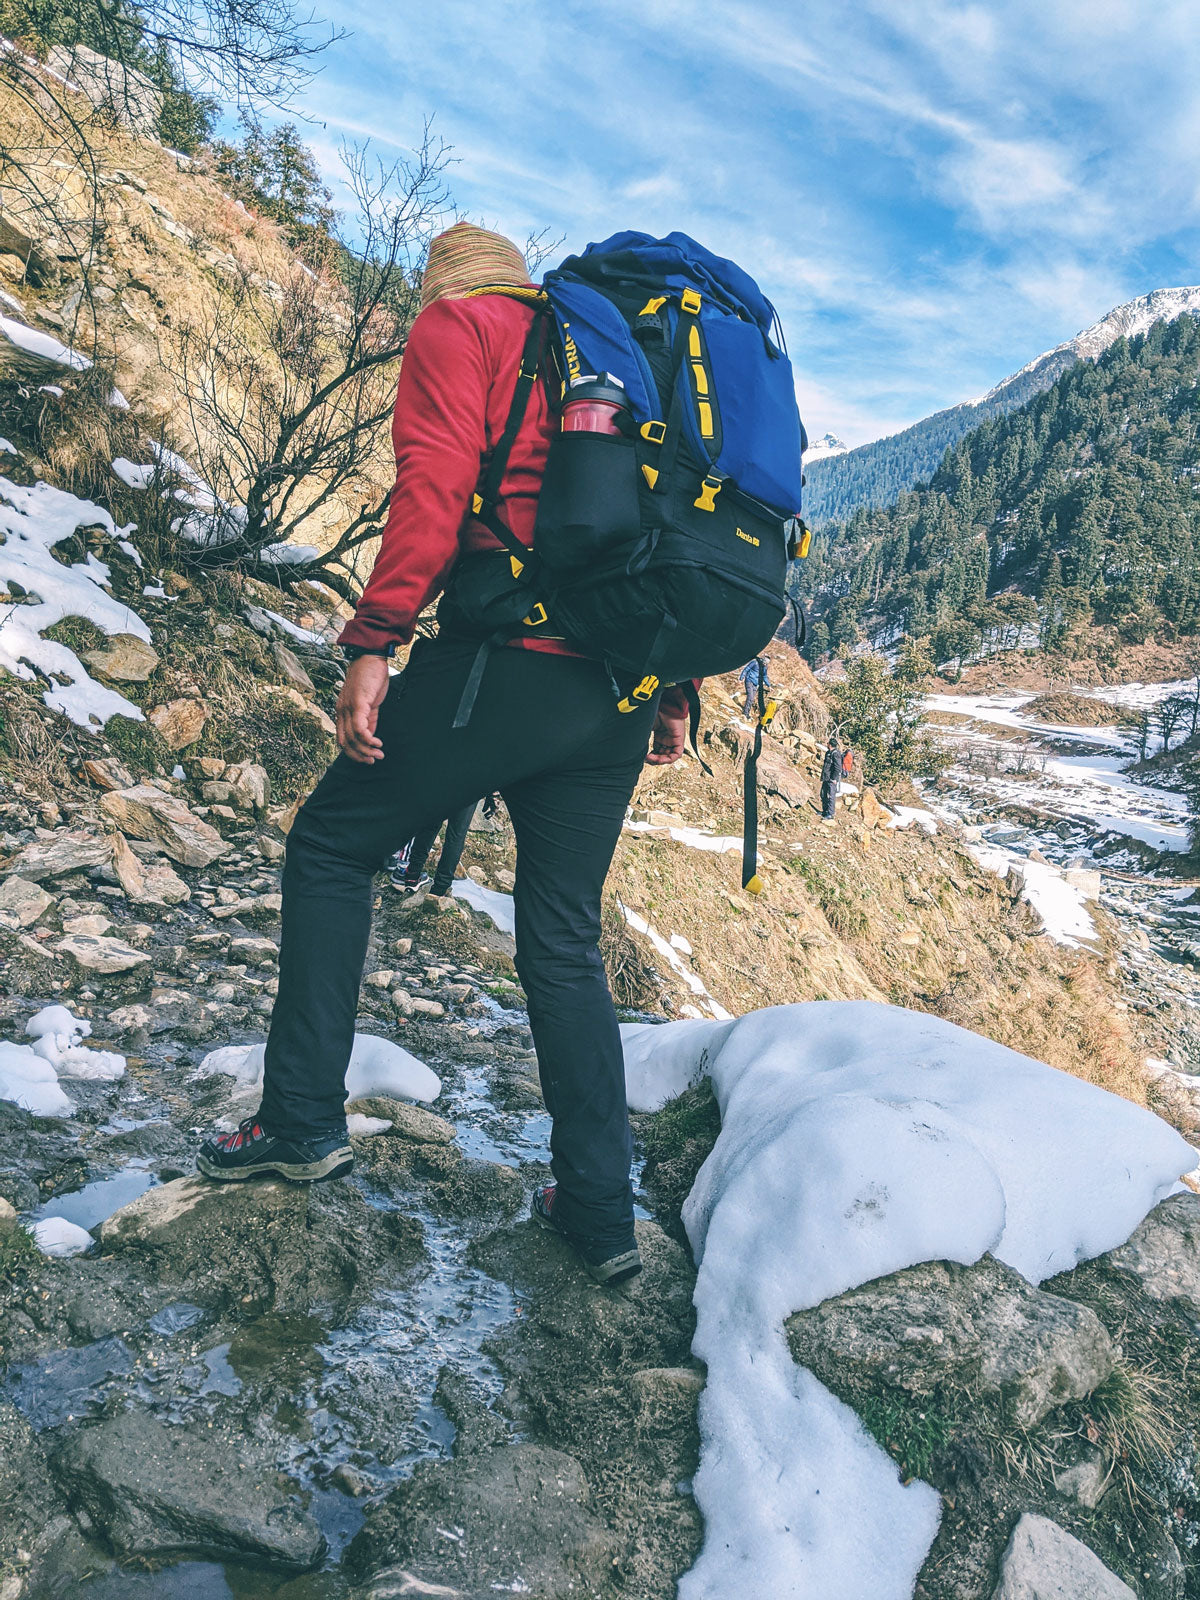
829	795
457	827
547	734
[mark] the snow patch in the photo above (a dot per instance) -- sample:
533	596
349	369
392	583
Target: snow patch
29	1073
858	1139
500	907
1061	906
905	817
717	843
42	345
32	521
377	1066
670	953
55	1236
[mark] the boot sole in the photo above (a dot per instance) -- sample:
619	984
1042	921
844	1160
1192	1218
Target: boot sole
615	1270
337	1164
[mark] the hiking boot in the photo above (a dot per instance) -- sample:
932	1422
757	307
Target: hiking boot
250	1149
600	1262
407	885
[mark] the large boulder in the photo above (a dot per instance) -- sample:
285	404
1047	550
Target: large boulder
982	1328
145	812
279	1246
95	953
147	883
150	1488
1044	1562
22	902
1163	1252
522	1521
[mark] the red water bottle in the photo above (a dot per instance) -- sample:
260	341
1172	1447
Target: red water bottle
594	405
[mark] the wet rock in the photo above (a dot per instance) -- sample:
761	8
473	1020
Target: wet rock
525	1518
1044	1562
22	902
145	812
453	1182
274	1245
1163	1252
981	1327
476	1425
97	954
130	1019
55	854
126	658
180	722
150	1488
255	949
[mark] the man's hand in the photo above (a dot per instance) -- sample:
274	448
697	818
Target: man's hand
358	708
668	737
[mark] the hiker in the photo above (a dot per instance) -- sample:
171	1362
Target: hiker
831	778
545	730
411	877
750	675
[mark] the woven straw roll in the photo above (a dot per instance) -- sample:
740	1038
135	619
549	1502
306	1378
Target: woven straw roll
465	258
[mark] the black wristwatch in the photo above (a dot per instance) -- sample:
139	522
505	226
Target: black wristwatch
352	651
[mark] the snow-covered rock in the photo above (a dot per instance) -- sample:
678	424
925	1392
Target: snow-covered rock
55	1236
858	1139
377	1067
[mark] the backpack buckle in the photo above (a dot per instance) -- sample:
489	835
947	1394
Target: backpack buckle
709	490
690	301
645	691
536	617
653	432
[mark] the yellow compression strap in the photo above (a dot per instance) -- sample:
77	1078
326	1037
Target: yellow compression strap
639	696
709	490
514	291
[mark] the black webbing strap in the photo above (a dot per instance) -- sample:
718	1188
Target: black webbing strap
670	444
489	487
693	704
750	878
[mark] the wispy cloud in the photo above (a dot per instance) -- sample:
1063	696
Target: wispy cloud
931	193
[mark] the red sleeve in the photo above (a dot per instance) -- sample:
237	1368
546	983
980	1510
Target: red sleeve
439	432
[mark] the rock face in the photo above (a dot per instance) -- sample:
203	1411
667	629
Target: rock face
126	94
126	658
982	1327
22	902
873	813
181	722
1043	1562
525	1519
279	1246
151	1488
1163	1253
145	812
58	853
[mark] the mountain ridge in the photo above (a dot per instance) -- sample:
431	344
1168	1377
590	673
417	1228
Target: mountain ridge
876	473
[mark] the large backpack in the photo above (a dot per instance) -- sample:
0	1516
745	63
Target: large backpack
661	551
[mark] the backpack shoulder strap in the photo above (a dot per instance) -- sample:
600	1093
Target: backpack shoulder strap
488	493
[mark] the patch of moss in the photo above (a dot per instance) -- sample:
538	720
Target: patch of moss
915	1433
138	745
17	1250
676	1142
77	633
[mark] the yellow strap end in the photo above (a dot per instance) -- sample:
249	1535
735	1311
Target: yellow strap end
476	503
650	474
805	542
518	567
755	886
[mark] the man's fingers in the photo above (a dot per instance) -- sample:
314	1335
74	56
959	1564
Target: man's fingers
356	731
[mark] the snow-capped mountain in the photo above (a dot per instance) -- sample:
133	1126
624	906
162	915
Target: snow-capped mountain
876	474
824	447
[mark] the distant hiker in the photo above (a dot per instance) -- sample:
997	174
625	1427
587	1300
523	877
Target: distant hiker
749	676
411	876
603	480
831	780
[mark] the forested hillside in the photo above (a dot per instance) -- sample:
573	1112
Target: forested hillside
876	474
1082	507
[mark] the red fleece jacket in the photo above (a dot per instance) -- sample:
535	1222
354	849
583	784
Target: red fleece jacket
456	384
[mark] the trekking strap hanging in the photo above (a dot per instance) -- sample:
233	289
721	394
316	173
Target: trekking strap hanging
766	711
693	705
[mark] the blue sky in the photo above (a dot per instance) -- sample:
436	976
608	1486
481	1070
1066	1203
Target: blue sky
931	192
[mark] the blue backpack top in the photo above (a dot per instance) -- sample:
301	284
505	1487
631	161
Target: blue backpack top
740	418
